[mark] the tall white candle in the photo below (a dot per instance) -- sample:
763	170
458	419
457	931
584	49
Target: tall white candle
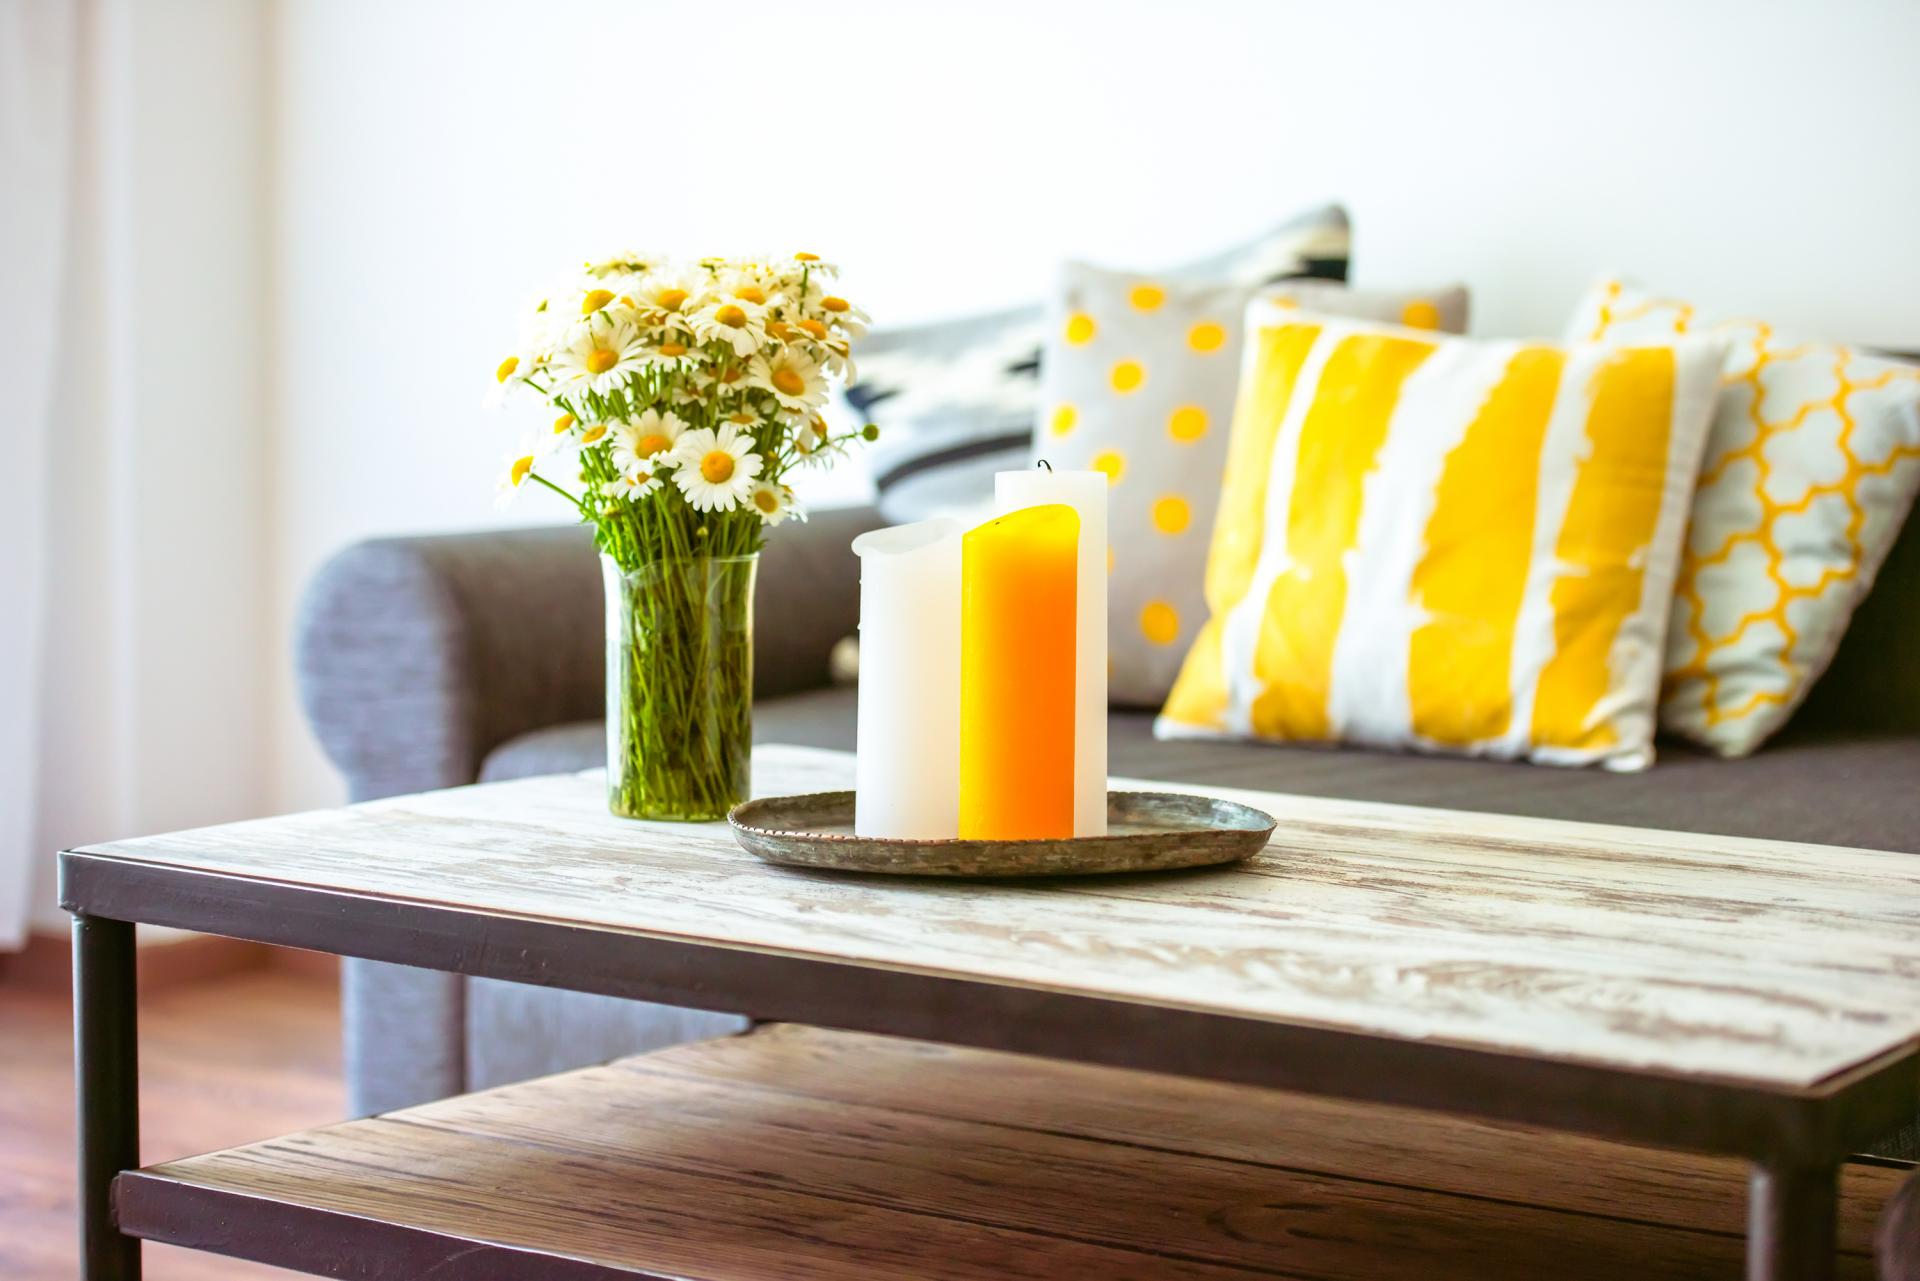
907	768
1086	493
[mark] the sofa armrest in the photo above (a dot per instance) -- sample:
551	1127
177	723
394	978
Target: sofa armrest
418	656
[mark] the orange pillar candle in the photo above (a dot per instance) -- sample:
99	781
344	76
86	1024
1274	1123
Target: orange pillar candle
1017	647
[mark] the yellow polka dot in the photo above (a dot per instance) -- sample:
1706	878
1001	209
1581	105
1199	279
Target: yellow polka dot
1146	297
1160	622
1207	336
1110	462
1064	417
1187	424
1171	514
1080	328
1420	314
1128	375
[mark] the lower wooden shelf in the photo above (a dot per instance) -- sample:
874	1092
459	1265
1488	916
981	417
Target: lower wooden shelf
795	1153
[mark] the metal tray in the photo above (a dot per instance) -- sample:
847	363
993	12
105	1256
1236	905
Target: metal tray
1146	832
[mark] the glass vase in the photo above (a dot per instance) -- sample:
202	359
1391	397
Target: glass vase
679	686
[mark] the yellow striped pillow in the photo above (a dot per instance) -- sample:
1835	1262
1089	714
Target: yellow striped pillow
1444	544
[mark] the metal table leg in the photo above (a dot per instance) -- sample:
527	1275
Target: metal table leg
1792	1222
107	1076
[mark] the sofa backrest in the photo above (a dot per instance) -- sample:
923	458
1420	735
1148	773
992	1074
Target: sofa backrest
1873	683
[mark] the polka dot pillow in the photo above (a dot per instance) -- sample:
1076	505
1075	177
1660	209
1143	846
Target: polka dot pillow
1138	381
1811	467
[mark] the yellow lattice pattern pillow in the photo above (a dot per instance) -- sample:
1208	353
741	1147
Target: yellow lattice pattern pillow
1811	467
1448	545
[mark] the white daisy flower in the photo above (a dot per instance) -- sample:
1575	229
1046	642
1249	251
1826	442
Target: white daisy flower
509	376
773	502
742	325
715	470
634	485
810	265
844	316
640	442
792	376
585	297
631	263
519	468
731	381
662	296
835	351
598	356
674	351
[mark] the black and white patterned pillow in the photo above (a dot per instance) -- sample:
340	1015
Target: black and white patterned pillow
955	400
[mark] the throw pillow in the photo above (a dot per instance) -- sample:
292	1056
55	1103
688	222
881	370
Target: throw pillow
1138	381
1811	467
955	400
1444	544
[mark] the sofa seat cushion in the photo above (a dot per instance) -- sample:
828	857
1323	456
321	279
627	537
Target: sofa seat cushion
1824	787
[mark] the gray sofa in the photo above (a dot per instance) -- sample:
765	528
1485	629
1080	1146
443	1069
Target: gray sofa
431	662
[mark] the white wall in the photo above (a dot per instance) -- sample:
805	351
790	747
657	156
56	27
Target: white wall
436	160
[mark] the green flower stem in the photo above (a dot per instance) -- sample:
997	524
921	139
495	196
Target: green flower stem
679	686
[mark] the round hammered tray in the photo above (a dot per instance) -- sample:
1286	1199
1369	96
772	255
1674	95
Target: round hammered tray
1146	832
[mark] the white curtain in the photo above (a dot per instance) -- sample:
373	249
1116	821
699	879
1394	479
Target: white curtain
39	55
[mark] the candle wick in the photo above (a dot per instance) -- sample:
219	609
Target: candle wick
1044	463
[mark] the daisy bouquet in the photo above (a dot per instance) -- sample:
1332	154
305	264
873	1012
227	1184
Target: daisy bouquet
685	395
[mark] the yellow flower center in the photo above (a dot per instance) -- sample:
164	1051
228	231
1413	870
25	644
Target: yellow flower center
650	444
670	299
600	360
779	329
751	293
717	467
731	316
819	426
742	417
564	422
506	369
626	301
833	302
788	381
766	501
673	349
593	433
804	256
595	300
815	328
731	376
521	466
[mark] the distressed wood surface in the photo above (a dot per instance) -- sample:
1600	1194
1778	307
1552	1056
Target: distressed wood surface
793	1153
1762	963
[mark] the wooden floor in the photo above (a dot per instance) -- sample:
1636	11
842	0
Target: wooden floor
222	1061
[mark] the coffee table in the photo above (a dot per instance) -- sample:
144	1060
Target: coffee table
1751	999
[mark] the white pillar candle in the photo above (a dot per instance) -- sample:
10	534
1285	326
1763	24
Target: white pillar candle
1086	493
907	767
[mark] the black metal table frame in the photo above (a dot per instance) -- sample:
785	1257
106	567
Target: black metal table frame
1795	1142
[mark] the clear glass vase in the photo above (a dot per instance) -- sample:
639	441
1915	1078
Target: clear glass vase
679	686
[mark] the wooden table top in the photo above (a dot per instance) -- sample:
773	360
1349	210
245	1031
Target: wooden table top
1761	964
